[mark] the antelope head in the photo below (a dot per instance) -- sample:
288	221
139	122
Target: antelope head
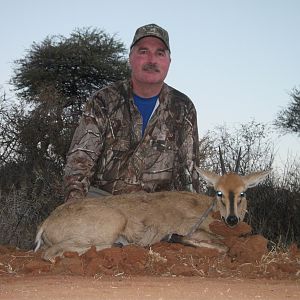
231	191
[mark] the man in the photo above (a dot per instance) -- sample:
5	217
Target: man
138	134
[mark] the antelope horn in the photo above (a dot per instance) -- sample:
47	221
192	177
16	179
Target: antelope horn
222	162
237	166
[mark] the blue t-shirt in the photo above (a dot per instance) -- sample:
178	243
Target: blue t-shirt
145	107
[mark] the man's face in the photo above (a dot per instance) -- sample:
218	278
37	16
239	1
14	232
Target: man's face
149	60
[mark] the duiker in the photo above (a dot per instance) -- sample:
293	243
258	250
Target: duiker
146	218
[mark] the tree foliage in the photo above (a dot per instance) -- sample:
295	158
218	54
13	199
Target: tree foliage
54	79
257	151
288	119
73	67
9	114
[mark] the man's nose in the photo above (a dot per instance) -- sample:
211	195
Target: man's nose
151	56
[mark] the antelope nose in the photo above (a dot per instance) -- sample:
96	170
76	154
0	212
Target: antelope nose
232	220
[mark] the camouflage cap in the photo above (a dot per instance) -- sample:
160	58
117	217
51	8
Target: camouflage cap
151	30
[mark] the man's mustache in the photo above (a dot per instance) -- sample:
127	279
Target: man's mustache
151	67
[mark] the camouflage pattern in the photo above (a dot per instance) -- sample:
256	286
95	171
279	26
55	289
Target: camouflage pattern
109	151
151	30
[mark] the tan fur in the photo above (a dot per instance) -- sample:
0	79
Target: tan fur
140	218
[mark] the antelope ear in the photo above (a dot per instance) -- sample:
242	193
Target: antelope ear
254	179
210	177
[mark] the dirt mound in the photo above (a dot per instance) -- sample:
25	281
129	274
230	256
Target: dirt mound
247	257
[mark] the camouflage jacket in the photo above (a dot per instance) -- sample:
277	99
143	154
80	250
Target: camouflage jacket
109	151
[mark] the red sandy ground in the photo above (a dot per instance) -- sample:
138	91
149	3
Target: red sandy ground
163	271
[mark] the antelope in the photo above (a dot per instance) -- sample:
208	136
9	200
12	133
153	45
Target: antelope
146	218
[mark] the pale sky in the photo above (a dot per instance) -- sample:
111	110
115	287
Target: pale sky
237	60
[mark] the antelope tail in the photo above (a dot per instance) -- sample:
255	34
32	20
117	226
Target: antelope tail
39	239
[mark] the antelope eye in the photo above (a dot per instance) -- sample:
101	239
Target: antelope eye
242	194
219	194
